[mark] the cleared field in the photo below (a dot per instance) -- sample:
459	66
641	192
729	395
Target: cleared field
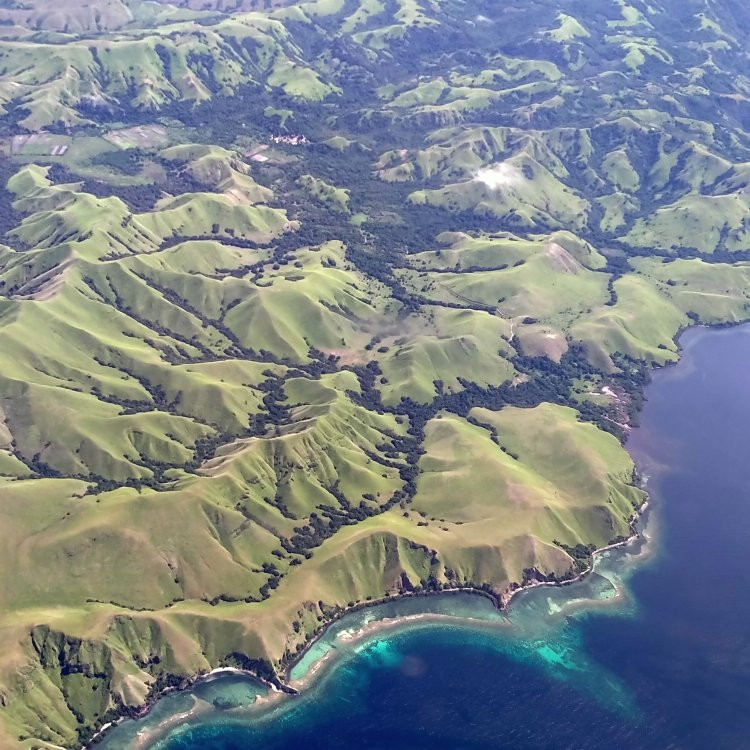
142	136
39	144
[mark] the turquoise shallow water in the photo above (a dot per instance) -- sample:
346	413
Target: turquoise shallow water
652	651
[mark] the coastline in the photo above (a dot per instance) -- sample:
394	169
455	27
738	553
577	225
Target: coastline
500	601
589	569
186	683
284	686
288	687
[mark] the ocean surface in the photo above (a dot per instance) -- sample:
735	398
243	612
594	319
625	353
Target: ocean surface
652	651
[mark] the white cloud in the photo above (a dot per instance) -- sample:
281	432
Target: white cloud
499	175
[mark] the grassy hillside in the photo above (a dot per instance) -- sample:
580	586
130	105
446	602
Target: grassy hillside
307	304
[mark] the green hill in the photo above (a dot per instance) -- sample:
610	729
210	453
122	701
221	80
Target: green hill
307	304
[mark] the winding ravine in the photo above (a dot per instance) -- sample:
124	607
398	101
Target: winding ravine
651	651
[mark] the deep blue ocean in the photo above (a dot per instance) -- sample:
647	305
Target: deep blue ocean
651	652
